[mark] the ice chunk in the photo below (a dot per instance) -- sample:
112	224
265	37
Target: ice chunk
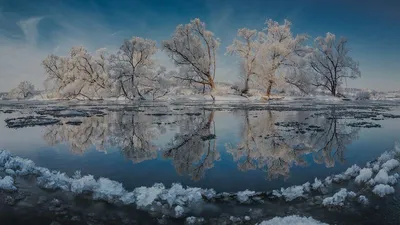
382	177
363	200
292	193
177	195
328	180
375	168
385	157
10	172
4	157
383	189
108	190
307	187
83	184
54	180
7	183
393	179
193	220
243	196
292	220
19	165
179	210
352	171
317	184
128	198
145	196
337	199
364	176
390	164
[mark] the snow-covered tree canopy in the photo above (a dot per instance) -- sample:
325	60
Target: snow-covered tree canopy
24	90
193	49
331	64
133	66
247	47
78	75
279	51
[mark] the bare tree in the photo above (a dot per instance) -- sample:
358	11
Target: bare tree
24	90
331	64
193	49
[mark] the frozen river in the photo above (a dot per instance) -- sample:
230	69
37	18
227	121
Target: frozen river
228	147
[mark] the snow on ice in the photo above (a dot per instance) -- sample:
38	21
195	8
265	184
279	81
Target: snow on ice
290	220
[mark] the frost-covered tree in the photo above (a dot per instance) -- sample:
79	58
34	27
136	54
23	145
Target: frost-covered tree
247	46
331	63
193	49
24	90
280	50
133	67
78	75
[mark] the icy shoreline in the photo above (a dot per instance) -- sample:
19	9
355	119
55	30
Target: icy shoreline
177	201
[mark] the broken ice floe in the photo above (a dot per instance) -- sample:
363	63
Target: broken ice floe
292	220
30	121
178	200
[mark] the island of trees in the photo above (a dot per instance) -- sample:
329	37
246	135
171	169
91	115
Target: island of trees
270	59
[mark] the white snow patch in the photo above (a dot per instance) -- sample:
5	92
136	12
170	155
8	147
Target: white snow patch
179	211
108	190
383	189
363	200
364	176
382	177
293	192
390	164
244	196
145	196
7	183
338	198
292	220
317	184
393	179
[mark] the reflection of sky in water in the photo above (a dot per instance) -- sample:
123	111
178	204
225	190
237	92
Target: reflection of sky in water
220	167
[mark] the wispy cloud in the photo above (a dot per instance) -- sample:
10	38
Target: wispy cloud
30	29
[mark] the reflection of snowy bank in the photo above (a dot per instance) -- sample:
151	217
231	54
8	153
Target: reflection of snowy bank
178	201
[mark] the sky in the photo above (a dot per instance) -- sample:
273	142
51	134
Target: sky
30	30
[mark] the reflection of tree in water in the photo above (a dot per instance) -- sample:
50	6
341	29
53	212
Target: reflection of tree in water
330	145
275	149
264	147
93	131
132	132
193	149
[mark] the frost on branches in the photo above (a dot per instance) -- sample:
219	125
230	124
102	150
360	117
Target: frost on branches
274	58
78	75
331	64
193	49
247	47
134	72
24	90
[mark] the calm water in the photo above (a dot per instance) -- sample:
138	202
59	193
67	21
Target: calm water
228	148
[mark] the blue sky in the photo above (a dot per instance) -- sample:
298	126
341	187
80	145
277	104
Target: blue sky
29	30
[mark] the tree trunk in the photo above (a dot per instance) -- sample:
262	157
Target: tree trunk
246	86
211	83
333	91
268	94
